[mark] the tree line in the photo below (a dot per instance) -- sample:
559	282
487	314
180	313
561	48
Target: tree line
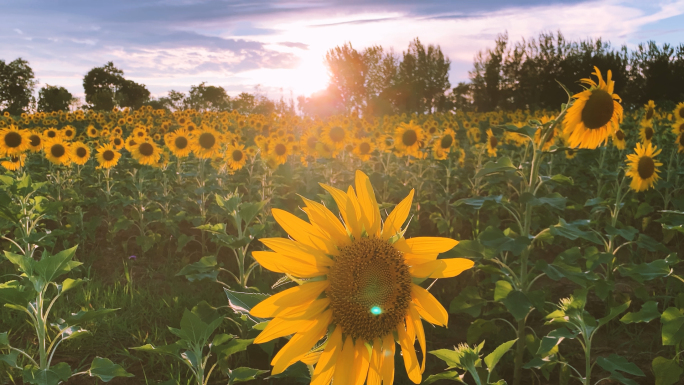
378	81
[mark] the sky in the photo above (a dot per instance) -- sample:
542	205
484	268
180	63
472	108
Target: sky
277	48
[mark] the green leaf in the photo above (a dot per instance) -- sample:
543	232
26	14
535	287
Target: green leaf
615	363
51	376
646	271
84	316
233	346
650	244
242	303
4	340
145	242
105	370
572	231
517	304
562	180
643	209
593	202
672	331
11	359
169	350
451	375
554	338
70	284
23	263
196	331
614	312
450	356
502	289
627	233
13	292
250	210
52	266
649	312
205	268
244	374
501	165
478	202
468	301
554	200
493	358
667	372
480	327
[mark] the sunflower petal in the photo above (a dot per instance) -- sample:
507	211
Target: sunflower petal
299	267
397	217
420	332
295	249
304	232
375	366
326	220
368	203
355	224
441	268
345	363
325	368
408	352
302	294
312	357
279	327
388	348
427	304
430	245
301	343
340	198
361	362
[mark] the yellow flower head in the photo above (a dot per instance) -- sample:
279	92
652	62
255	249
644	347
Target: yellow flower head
14	141
360	294
492	142
643	168
79	153
14	162
594	115
408	138
107	156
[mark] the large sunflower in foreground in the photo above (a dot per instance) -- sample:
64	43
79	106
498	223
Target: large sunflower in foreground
407	138
14	141
205	144
57	151
178	142
359	295
594	115
643	168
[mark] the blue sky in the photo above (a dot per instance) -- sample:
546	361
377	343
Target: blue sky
279	45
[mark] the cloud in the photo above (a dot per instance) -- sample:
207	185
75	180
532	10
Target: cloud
295	45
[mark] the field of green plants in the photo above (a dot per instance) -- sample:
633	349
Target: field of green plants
186	247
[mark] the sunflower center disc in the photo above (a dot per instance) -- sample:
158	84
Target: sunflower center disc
35	140
81	152
409	138
12	139
646	167
620	135
681	140
364	148
337	134
146	149
237	155
370	288
493	141
108	155
181	142
207	140
57	150
648	133
598	110
280	149
446	141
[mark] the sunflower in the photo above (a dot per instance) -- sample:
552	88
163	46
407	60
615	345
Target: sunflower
146	152
107	156
14	141
205	143
35	142
236	157
594	115
649	110
643	168
68	132
619	139
678	126
308	142
361	297
117	142
442	146
57	151
364	149
570	153
178	142
679	111
280	150
646	132
14	162
492	142
51	133
680	141
335	136
92	132
130	143
79	153
407	138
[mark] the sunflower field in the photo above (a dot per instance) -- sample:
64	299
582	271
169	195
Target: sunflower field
188	247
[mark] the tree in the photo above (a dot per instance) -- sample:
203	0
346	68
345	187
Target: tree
17	82
105	87
53	98
207	98
172	102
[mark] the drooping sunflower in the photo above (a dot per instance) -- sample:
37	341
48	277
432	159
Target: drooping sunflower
79	153
643	168
57	151
619	139
361	297
14	141
178	142
146	152
492	143
407	138
594	115
646	132
236	157
649	110
205	143
14	162
107	156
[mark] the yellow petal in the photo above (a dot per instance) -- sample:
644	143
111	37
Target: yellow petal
312	357
304	232
301	343
354	224
340	198
397	217
325	368
302	294
417	259
295	249
430	245
361	362
345	363
388	359
326	220
375	364
425	301
299	267
368	203
441	268
292	322
420	332
409	355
